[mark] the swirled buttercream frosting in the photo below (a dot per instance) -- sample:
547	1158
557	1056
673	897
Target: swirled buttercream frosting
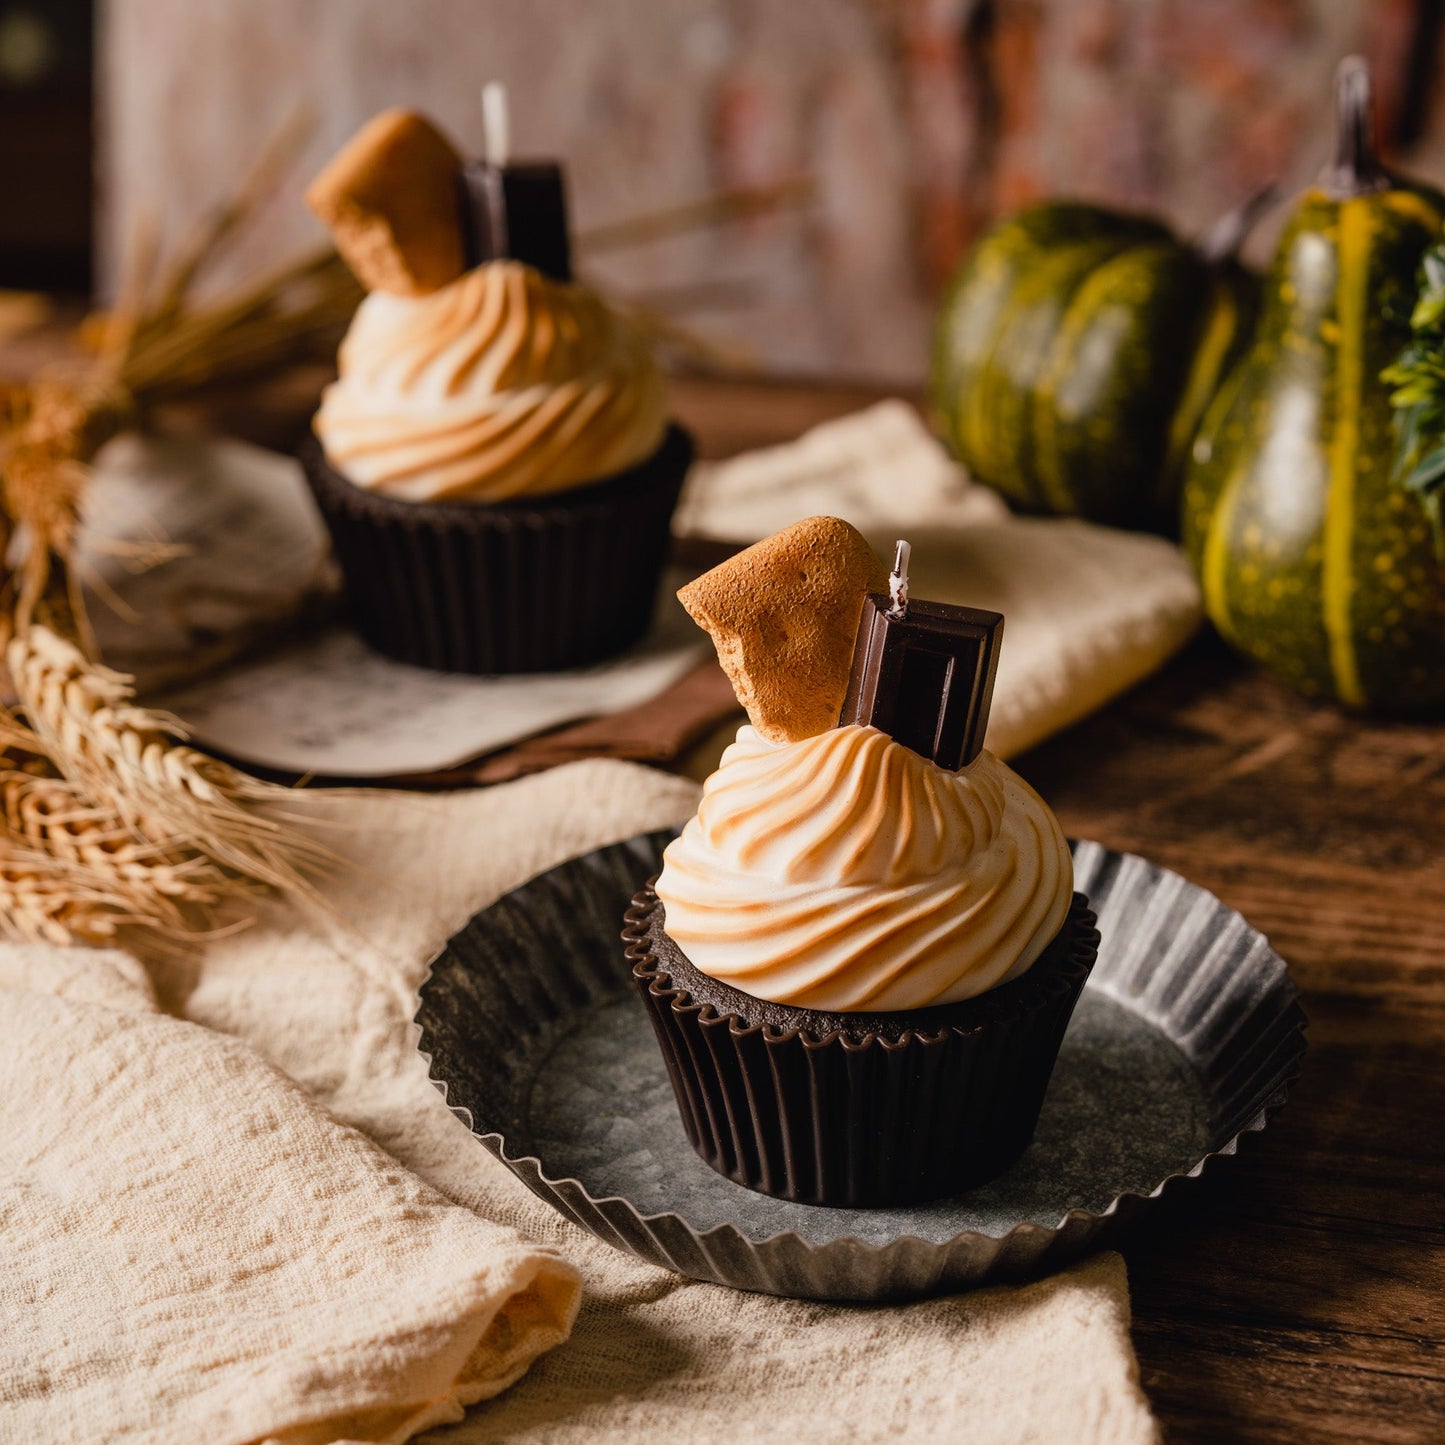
502	384
846	872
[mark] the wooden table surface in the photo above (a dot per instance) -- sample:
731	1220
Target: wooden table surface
1298	1292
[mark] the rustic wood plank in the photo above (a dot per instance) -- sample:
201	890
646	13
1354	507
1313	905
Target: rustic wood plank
1300	1293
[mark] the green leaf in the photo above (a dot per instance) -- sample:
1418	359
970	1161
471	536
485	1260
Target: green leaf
1428	481
1417	377
1428	474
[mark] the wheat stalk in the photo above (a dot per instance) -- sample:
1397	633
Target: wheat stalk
157	787
70	873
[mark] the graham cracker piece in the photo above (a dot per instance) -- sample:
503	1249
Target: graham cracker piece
783	616
390	199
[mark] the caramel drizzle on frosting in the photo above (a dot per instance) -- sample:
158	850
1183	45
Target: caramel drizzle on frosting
503	384
845	872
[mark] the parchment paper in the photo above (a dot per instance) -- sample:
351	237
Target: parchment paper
229	619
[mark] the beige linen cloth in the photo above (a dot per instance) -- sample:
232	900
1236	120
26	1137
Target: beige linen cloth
1090	610
204	1240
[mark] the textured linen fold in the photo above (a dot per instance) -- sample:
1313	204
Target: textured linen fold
193	1250
330	1000
256	1219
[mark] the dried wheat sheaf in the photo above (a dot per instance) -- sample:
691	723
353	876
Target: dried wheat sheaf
70	872
109	819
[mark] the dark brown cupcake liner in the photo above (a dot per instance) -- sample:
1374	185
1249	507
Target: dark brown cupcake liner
540	585
858	1110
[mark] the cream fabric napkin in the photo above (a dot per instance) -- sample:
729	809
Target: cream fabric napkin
192	1250
1090	611
204	1254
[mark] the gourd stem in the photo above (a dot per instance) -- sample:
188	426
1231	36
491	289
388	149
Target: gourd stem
1356	169
1221	242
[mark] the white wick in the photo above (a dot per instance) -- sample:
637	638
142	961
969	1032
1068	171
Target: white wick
898	580
496	128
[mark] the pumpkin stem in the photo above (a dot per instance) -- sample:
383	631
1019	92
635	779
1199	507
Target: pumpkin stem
1221	242
1356	169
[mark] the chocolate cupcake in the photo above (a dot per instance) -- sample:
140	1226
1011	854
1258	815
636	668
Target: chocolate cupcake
857	1109
859	960
509	587
495	461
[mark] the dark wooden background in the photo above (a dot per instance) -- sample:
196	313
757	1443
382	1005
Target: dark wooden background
46	158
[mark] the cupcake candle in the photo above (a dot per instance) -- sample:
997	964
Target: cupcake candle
495	460
860	956
513	210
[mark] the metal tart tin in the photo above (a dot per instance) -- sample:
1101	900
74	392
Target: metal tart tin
1187	1036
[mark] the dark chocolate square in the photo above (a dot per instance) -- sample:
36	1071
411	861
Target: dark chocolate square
926	678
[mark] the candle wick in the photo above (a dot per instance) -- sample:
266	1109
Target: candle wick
496	127
898	581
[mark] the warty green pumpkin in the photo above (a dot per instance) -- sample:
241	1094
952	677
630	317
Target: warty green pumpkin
1312	557
1076	351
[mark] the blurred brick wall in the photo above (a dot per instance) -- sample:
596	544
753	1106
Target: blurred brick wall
918	119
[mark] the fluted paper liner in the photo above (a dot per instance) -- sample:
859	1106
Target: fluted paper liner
541	970
858	1110
558	581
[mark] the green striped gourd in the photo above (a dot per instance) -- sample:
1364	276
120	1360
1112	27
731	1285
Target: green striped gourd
1313	558
1076	351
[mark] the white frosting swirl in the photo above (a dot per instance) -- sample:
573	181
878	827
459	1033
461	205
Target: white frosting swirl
502	384
846	873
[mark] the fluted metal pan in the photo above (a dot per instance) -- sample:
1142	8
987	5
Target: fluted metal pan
1187	1036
